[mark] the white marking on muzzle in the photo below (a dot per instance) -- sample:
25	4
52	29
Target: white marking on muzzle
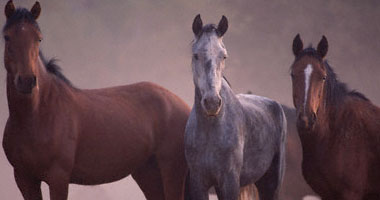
308	70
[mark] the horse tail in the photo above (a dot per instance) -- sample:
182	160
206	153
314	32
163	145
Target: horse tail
284	130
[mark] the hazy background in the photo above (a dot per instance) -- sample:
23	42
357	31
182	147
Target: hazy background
106	43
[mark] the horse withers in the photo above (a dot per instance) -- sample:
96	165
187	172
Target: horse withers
60	134
339	129
230	140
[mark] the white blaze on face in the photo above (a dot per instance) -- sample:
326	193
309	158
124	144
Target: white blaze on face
207	69
308	71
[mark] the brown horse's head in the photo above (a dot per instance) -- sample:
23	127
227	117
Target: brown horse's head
22	40
308	76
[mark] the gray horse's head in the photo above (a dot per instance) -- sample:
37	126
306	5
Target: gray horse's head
209	55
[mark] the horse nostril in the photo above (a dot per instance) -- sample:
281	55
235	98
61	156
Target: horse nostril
313	117
34	81
19	80
205	102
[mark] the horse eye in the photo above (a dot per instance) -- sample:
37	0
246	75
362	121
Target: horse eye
224	57
39	40
195	56
324	78
6	38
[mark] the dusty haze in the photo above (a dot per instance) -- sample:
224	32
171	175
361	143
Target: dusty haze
106	43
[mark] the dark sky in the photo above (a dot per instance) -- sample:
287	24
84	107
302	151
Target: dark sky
107	43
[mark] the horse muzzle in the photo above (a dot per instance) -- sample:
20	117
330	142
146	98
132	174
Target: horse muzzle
212	105
306	121
25	84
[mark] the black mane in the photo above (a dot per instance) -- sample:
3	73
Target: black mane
309	51
336	90
21	15
229	84
54	69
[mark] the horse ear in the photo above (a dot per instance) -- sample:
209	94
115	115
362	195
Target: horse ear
323	46
297	45
36	10
222	26
197	25
9	9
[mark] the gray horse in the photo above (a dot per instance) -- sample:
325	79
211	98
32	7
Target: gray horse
230	140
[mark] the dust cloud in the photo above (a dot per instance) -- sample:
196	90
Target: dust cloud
106	43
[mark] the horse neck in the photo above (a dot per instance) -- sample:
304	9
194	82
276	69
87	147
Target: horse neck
22	106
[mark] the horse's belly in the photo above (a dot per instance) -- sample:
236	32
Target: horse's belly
255	166
108	159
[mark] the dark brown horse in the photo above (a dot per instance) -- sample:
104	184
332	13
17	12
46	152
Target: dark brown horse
60	134
339	129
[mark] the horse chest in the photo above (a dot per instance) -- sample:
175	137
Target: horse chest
216	153
27	153
333	168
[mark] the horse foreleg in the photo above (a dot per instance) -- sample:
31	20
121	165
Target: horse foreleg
58	181
173	174
148	177
29	187
229	188
198	189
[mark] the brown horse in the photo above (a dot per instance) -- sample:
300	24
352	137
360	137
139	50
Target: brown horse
60	134
339	129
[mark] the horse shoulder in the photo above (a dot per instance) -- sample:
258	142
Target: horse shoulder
171	113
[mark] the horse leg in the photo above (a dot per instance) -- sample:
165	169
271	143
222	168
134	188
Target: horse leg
198	190
229	188
269	185
173	172
58	180
30	188
149	179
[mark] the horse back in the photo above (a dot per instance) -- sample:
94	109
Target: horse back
142	106
132	123
262	111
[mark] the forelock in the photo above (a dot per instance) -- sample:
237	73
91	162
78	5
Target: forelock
19	16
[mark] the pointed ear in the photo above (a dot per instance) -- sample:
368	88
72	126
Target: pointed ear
197	25
222	26
323	46
297	45
36	10
9	9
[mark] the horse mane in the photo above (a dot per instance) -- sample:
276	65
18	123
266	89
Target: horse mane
52	67
337	90
21	15
309	51
229	84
